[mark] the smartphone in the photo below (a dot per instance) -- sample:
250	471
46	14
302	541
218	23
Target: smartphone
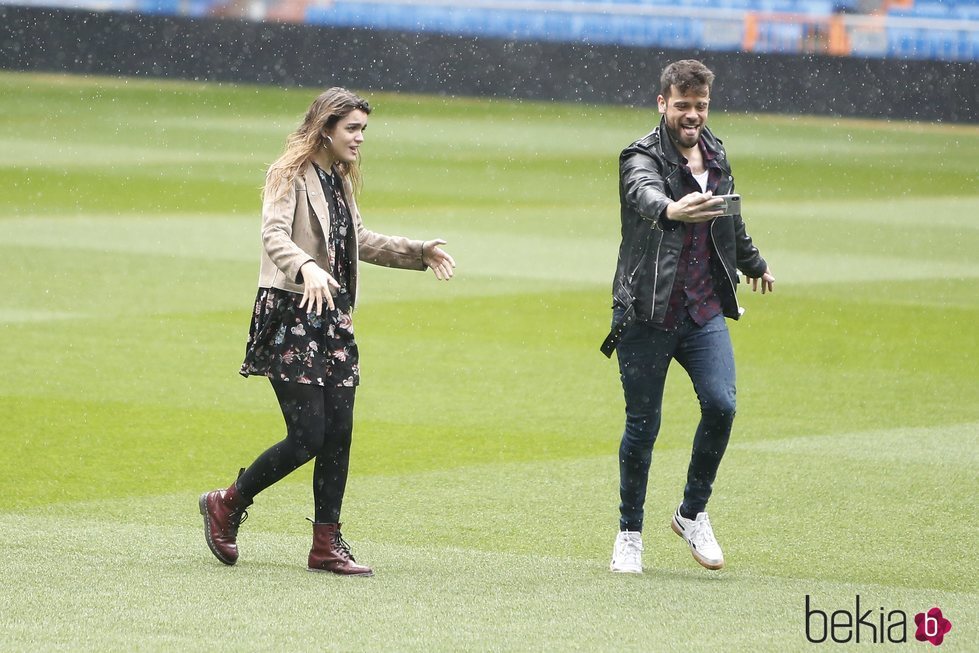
731	205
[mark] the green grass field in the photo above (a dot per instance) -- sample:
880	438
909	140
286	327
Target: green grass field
483	486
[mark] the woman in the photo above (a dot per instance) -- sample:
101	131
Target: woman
301	335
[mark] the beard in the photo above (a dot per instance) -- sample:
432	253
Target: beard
682	138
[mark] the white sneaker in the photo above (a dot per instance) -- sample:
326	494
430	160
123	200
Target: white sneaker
627	553
700	536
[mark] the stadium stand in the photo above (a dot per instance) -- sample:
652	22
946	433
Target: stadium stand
904	29
947	30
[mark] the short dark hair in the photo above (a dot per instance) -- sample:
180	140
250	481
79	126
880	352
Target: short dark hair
687	75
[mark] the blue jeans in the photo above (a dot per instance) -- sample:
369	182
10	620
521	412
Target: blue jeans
644	358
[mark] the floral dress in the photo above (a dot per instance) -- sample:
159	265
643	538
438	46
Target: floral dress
287	343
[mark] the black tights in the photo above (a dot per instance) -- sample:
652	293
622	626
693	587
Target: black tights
319	423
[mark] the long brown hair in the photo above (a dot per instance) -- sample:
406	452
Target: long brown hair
327	110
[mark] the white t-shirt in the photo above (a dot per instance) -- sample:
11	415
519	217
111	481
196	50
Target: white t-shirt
702	180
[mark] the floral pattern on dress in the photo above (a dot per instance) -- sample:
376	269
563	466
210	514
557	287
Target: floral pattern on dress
338	244
289	344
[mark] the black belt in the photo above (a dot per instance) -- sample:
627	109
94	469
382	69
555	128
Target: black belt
618	329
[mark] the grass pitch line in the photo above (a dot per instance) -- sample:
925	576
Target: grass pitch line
952	446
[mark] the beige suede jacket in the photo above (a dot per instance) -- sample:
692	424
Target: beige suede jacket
295	227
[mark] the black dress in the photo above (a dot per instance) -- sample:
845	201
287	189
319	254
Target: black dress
287	343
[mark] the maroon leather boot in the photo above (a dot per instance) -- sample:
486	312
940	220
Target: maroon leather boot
223	511
330	553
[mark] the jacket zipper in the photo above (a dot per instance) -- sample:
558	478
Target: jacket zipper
652	304
642	259
734	289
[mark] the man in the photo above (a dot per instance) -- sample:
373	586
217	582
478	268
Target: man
674	285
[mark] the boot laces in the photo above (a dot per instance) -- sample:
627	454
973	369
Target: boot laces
342	546
236	519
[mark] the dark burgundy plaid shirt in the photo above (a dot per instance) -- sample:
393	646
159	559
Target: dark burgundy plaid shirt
693	287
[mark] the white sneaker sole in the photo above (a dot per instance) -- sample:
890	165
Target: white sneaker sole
704	562
621	570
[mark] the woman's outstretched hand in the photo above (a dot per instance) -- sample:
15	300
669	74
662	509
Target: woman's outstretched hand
438	259
317	283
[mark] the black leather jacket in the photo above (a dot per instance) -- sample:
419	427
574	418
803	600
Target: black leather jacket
649	179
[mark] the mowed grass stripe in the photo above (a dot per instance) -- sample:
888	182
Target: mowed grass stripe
463	597
919	446
860	366
514	495
28	152
847	495
943	252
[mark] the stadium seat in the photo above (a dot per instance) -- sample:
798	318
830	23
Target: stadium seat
641	30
